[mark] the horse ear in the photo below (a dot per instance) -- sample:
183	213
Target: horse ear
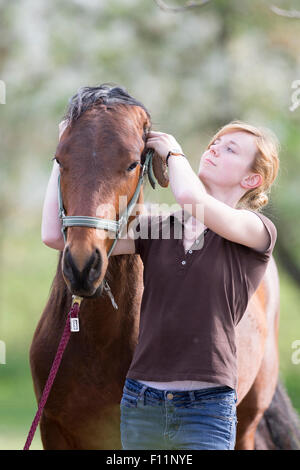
160	170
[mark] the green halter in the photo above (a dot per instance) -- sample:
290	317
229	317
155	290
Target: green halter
106	224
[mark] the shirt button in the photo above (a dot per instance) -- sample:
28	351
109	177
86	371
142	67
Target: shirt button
170	396
197	241
190	251
183	262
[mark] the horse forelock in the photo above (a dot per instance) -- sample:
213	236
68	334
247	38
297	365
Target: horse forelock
105	94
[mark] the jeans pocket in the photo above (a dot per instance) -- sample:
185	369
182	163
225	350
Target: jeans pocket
222	409
129	400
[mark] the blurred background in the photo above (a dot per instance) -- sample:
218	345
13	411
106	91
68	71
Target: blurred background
194	70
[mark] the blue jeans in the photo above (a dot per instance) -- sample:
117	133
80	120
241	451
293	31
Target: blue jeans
166	420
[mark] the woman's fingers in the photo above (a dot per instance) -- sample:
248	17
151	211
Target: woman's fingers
161	143
155	133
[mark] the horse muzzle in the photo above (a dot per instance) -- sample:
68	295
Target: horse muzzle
83	281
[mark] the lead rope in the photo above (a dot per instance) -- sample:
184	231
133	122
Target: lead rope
72	325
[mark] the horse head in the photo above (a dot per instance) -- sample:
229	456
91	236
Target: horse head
100	154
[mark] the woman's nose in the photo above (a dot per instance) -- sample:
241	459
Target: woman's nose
215	149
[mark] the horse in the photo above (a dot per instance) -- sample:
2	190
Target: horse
98	151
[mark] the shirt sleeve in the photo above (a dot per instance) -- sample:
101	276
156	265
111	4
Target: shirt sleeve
272	231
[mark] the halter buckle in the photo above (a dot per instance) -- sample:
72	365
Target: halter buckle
76	299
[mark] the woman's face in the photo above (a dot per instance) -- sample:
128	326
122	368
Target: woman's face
228	160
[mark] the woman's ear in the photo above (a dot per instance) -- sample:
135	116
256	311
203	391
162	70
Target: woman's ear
160	170
252	181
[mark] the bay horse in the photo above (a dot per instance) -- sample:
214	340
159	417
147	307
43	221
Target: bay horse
98	152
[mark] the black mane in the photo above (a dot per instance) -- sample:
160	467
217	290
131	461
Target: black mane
108	94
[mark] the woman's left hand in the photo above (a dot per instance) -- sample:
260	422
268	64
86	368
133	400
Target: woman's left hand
162	143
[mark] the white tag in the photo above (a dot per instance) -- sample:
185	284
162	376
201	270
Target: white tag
74	324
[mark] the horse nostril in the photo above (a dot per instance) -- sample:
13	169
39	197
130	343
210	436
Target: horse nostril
67	269
95	269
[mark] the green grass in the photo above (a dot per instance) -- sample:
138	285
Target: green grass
27	271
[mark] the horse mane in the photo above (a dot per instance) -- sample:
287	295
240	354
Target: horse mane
108	94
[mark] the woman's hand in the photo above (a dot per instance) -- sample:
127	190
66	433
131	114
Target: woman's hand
162	143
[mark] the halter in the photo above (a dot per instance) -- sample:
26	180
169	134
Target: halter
107	224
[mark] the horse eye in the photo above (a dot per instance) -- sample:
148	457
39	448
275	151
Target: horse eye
132	166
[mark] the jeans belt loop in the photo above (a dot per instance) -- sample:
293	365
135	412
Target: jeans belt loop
192	395
142	394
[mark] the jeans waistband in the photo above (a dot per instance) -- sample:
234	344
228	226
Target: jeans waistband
143	390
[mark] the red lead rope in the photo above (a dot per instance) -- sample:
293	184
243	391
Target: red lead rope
71	325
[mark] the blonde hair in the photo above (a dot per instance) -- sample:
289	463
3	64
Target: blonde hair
266	162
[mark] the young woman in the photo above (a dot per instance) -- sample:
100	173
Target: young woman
180	390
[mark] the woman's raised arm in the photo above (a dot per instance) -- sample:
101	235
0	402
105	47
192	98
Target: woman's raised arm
51	224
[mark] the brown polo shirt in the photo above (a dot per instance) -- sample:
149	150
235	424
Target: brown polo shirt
192	301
